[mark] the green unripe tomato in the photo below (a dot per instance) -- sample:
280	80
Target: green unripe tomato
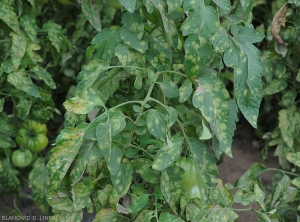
21	158
189	181
115	4
33	135
153	17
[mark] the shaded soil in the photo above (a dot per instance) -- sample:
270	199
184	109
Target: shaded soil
244	155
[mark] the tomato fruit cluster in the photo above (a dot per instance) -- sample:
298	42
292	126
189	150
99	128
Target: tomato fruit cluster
189	181
31	138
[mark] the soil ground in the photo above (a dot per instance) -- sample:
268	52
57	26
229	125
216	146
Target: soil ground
244	155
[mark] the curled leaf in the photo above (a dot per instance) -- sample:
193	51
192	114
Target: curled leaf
278	20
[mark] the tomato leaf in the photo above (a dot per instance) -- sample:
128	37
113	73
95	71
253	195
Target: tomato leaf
156	124
91	11
9	17
139	203
44	75
28	23
169	88
107	215
185	91
18	48
166	217
122	179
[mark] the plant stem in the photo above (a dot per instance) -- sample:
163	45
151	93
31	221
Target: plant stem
140	148
282	171
125	103
241	210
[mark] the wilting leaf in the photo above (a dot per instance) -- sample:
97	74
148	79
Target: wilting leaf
278	20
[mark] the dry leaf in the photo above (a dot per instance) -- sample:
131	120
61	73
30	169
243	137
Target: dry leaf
199	90
278	20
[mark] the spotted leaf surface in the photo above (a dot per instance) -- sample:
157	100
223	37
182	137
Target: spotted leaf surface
30	51
19	80
129	57
251	176
221	214
88	154
204	162
9	17
106	41
214	103
122	179
8	176
171	186
173	5
224	4
42	74
220	40
139	203
281	187
197	55
185	91
80	195
157	124
133	31
128	4
91	10
107	215
158	54
28	23
294	158
63	154
168	155
244	58
203	21
287	125
166	217
79	106
169	88
18	48
38	181
275	86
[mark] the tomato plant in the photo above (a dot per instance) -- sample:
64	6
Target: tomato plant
21	158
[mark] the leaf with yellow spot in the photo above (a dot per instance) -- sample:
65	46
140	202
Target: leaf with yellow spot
158	54
218	109
173	5
128	4
139	203
104	194
145	216
8	177
287	125
42	74
6	142
221	214
224	4
275	86
132	31
166	155
171	186
23	83
197	55
185	91
18	48
9	17
202	21
81	195
74	216
88	154
169	88
38	181
205	164
28	22
106	215
251	176
167	217
294	158
220	40
63	154
106	41
157	124
91	9
34	57
123	178
244	58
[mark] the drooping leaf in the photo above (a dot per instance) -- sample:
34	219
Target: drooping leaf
44	75
281	187
38	181
139	203
168	155
8	177
91	9
278	21
63	154
30	51
214	103
169	88
123	178
19	80
287	125
166	217
9	17
171	186
275	86
156	124
18	48
244	58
